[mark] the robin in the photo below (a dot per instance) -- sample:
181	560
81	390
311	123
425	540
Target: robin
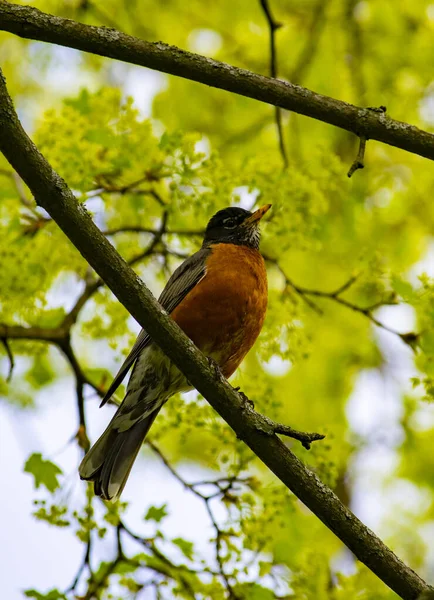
218	297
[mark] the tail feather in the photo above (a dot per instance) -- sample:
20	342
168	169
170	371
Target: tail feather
108	463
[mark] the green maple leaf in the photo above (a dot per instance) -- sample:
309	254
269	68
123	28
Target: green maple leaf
44	472
156	513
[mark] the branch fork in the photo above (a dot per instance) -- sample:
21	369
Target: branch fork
270	427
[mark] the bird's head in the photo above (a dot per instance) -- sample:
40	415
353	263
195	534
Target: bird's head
235	225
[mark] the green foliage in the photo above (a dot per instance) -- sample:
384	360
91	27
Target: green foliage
45	472
187	548
54	514
51	595
156	514
203	149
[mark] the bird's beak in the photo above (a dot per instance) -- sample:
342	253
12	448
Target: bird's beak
257	215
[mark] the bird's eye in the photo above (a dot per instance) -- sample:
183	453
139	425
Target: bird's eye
229	223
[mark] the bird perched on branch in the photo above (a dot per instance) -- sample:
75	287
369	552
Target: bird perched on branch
218	297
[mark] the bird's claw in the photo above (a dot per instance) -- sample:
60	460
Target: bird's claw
215	367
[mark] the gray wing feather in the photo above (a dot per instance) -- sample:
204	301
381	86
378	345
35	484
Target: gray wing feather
182	281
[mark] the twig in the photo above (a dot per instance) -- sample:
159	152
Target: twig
290	283
273	27
219	532
98	585
84	563
10	357
150	545
53	335
89	290
273	427
345	286
360	158
305	438
93	286
140	229
223	484
218	552
80	381
409	338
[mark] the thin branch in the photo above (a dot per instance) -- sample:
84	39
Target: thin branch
96	586
80	381
150	545
57	336
223	484
10	356
52	193
367	312
42	334
158	452
93	285
409	338
359	162
107	187
306	439
89	290
219	533
140	229
290	284
85	563
218	552
29	22
273	27
344	287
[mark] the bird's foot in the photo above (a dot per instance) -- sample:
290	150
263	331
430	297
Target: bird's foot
215	367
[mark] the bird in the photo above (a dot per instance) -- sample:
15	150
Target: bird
218	297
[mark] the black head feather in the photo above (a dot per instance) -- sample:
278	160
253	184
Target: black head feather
229	226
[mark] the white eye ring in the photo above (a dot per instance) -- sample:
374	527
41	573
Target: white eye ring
229	223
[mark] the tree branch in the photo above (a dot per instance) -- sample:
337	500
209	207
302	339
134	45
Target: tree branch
52	193
18	332
80	381
10	356
359	162
31	23
410	338
219	533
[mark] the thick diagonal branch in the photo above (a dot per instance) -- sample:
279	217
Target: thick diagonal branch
52	193
31	23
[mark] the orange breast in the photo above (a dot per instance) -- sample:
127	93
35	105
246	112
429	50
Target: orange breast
224	313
